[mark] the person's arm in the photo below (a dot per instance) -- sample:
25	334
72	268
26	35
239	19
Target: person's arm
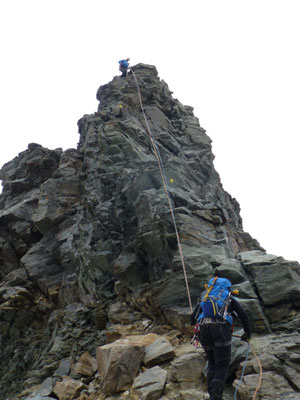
236	306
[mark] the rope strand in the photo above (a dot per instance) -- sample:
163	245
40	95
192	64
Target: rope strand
260	369
163	176
243	371
260	372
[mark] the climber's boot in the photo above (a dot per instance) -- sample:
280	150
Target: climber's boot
209	378
217	390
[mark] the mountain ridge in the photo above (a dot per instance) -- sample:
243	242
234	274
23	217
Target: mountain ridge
88	232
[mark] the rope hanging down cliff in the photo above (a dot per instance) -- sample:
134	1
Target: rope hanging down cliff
164	180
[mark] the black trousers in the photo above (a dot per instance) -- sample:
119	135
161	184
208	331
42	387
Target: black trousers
215	339
124	72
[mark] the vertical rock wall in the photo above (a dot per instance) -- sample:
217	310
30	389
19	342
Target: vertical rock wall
127	223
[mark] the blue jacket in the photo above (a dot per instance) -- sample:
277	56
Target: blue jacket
124	63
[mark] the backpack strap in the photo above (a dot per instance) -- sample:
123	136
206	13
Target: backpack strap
227	304
210	288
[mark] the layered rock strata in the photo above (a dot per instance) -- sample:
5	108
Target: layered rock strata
88	243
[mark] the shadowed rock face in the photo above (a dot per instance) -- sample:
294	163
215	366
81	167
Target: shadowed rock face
127	222
83	231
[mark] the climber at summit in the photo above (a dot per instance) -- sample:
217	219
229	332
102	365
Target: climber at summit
214	316
124	64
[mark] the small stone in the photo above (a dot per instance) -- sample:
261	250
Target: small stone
47	387
86	365
68	388
63	369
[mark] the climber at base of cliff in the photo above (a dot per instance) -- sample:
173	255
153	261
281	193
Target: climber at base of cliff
214	316
124	64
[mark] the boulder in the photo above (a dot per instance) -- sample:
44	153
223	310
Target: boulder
245	289
86	365
278	355
118	363
64	368
149	384
277	280
232	270
46	387
68	388
187	369
272	387
257	257
157	352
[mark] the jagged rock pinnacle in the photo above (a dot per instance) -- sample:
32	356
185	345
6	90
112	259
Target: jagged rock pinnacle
88	232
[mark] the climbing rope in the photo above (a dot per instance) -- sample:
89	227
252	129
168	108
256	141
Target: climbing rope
243	370
164	180
260	372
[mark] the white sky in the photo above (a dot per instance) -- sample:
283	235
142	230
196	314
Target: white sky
236	62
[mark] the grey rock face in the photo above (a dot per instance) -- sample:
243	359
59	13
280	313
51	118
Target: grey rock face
29	169
280	373
277	283
87	238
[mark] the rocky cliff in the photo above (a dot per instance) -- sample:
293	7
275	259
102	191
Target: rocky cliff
89	258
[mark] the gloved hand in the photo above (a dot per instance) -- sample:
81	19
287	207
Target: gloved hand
246	337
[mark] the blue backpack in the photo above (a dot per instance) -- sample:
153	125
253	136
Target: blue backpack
215	300
124	63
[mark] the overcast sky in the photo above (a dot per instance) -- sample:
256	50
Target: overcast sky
236	62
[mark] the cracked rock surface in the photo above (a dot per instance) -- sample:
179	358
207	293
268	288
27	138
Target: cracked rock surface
89	257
